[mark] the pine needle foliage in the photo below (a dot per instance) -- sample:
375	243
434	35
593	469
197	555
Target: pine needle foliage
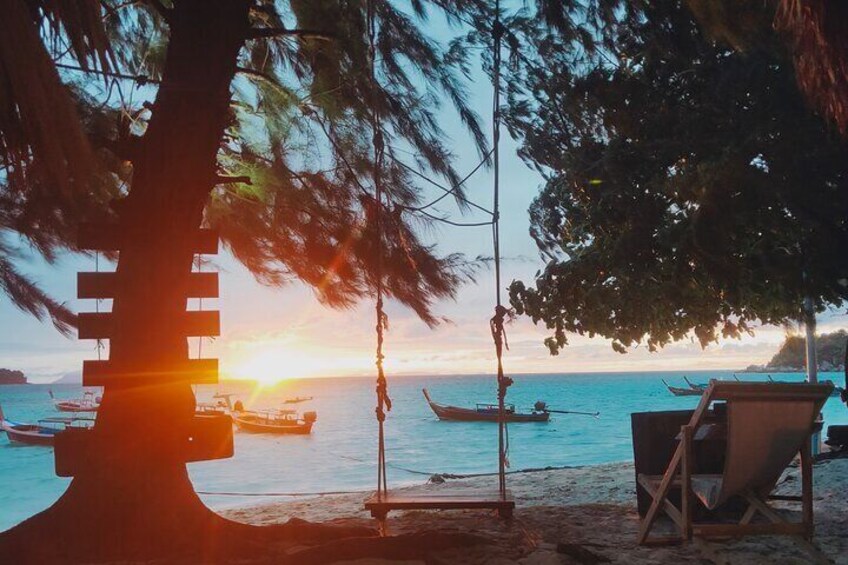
300	131
49	176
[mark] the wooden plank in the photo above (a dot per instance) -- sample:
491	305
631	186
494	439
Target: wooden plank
671	473
381	505
785	497
807	487
767	511
749	515
193	371
670	509
663	488
202	323
107	237
770	391
739	530
101	325
94	325
686	484
104	285
210	438
654	445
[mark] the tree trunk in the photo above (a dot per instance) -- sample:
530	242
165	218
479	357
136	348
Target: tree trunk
136	497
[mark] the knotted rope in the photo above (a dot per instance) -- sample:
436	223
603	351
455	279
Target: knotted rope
99	346
497	322
384	403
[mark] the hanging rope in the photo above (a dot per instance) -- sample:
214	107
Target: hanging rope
496	324
453	191
384	403
199	307
99	345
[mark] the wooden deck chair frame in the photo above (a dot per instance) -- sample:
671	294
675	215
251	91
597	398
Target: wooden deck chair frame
680	469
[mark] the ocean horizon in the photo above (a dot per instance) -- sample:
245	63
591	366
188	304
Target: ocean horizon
340	454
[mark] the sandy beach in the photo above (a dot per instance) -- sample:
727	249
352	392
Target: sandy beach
580	515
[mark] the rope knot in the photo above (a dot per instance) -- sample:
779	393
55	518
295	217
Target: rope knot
378	141
497	326
382	392
503	384
498	29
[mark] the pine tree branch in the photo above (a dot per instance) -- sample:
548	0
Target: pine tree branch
258	74
232	180
161	9
270	32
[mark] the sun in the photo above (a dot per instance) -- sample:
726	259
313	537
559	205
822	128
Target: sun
271	366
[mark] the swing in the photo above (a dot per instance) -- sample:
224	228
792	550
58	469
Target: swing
383	501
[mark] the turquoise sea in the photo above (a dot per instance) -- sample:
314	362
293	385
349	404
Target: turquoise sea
340	453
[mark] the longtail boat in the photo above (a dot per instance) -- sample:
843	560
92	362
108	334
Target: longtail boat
88	403
297	400
694	386
483	412
680	391
41	433
220	405
274	421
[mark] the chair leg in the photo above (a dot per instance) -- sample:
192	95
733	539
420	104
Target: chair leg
662	492
686	484
749	514
807	487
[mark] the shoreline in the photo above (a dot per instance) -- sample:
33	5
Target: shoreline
570	515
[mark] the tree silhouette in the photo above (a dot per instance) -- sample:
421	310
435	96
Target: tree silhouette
256	124
816	32
688	188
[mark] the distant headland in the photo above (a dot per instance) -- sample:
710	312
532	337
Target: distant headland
10	377
792	356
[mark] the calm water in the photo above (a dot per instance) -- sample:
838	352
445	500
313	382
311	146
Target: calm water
340	453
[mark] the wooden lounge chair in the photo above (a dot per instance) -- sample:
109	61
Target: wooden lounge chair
768	424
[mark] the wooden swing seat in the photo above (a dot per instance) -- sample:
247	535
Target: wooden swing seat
381	504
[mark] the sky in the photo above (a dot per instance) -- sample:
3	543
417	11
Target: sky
272	334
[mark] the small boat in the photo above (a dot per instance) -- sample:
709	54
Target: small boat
484	412
297	400
694	386
679	391
41	433
88	403
274	421
221	405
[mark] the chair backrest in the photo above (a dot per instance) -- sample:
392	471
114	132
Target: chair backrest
767	425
